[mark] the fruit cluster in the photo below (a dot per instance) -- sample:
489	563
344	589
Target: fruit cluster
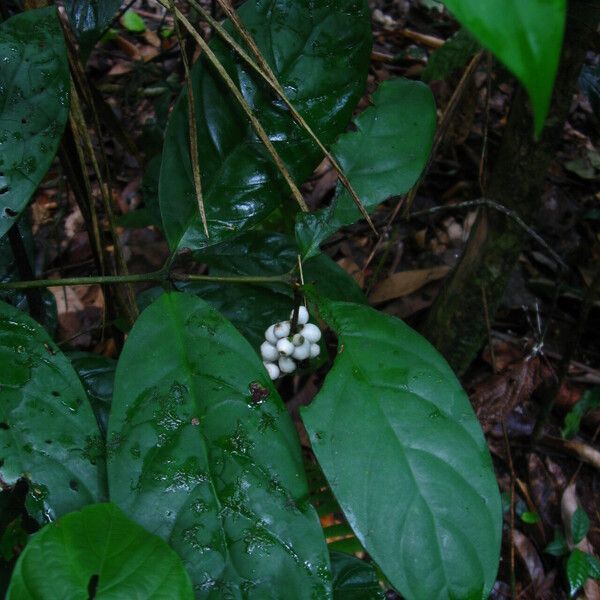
283	347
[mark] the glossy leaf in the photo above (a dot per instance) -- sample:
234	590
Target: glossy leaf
594	566
34	105
203	453
406	459
383	157
525	36
580	524
98	553
48	434
578	570
454	54
97	373
319	50
90	19
354	579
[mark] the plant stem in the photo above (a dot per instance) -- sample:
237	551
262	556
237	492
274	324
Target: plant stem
192	127
161	276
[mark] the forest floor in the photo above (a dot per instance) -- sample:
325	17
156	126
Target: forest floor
140	74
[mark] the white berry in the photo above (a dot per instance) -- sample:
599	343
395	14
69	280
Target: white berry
315	350
285	347
270	335
302	352
287	365
302	315
272	369
311	332
268	351
298	340
282	330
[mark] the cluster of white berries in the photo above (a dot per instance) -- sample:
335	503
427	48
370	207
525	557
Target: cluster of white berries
282	348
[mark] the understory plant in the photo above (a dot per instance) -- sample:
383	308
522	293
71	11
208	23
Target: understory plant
176	471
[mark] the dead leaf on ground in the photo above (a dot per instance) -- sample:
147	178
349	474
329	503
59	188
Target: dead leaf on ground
404	283
531	559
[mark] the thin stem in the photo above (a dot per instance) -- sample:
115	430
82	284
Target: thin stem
511	214
161	276
256	125
192	128
249	279
266	73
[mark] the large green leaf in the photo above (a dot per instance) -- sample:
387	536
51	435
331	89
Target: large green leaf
526	36
98	553
319	50
406	459
48	434
354	579
34	105
203	453
383	157
89	19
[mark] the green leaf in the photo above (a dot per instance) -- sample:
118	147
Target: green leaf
589	401
133	22
98	553
578	570
354	579
97	374
525	36
47	431
319	50
90	19
453	55
383	157
594	566
405	457
580	524
530	517
558	546
34	105
203	453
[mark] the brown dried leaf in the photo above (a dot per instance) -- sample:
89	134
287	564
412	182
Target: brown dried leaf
404	283
530	557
